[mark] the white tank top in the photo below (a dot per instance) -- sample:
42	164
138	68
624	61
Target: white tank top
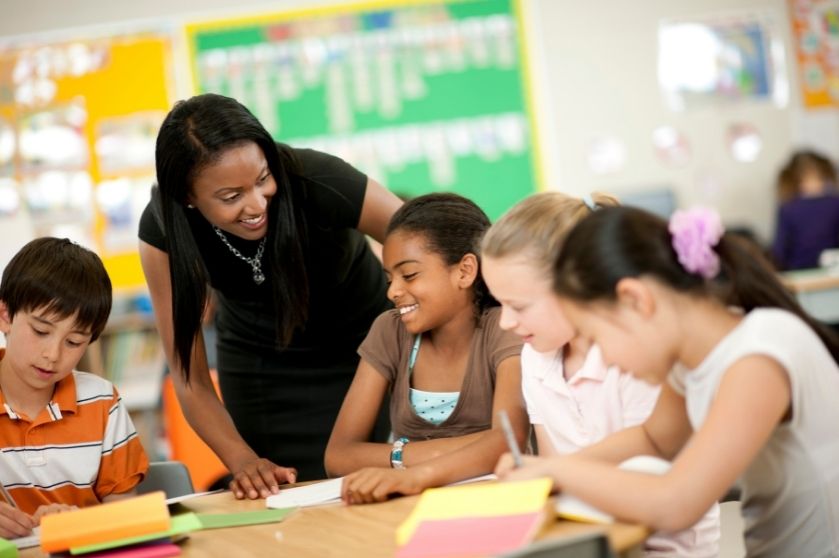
790	492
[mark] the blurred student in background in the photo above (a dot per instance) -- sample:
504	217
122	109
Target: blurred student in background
808	218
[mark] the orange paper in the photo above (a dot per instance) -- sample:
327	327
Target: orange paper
131	517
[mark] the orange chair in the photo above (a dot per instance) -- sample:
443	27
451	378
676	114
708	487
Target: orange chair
204	467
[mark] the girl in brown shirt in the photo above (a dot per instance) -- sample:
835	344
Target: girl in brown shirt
440	356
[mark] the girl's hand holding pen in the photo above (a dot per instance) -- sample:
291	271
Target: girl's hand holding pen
14	523
532	467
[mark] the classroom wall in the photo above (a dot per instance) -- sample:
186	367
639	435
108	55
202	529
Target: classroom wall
594	75
601	80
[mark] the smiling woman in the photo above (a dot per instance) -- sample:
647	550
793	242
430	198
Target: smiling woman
278	234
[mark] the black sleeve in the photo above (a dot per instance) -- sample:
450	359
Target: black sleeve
151	230
334	189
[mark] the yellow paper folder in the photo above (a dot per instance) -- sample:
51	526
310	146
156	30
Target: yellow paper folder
131	517
476	500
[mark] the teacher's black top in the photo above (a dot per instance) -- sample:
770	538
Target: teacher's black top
284	400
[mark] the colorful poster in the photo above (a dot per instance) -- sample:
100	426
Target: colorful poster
78	121
422	96
721	59
815	26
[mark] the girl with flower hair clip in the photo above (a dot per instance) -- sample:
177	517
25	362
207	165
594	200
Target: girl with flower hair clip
749	381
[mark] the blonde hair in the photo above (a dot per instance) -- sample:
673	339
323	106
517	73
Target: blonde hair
536	227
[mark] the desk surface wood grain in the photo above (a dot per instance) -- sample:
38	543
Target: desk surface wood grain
337	530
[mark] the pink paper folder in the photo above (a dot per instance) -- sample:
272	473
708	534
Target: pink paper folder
152	549
471	536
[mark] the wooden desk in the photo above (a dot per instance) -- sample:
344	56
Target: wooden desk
817	290
340	531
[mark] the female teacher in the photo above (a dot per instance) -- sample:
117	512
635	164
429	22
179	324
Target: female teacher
278	234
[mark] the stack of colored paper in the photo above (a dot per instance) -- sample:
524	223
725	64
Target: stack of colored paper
131	517
474	520
137	527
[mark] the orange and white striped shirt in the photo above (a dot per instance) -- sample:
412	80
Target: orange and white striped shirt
79	449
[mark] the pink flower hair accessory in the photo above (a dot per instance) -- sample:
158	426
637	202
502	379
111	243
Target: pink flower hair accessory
695	232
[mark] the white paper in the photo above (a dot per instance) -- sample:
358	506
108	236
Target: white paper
573	508
489	476
326	492
28	542
179	499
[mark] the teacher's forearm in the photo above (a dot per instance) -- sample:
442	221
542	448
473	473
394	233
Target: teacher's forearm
207	415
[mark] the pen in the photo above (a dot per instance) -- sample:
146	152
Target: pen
511	438
7	496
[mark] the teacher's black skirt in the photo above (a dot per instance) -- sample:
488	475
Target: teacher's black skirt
284	405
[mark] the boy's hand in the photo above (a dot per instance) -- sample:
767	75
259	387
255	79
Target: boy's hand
375	484
51	509
259	478
14	523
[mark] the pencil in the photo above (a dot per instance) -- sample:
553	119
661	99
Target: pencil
511	438
7	496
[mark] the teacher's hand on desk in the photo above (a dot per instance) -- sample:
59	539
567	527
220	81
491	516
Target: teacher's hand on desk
259	478
376	484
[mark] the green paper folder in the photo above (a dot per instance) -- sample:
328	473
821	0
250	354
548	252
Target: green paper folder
189	522
220	520
7	549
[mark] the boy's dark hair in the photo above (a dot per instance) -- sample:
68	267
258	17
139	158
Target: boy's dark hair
453	226
61	277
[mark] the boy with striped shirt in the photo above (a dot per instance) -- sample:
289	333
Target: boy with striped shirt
65	436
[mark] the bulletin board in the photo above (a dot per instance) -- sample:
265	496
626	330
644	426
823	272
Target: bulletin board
815	25
422	96
716	60
78	122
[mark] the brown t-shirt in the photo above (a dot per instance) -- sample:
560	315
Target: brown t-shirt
388	347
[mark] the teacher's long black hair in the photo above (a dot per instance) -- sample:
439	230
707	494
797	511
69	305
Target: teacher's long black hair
194	135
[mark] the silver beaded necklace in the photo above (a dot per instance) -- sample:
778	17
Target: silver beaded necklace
255	262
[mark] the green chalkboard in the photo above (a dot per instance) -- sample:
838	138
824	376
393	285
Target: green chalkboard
422	96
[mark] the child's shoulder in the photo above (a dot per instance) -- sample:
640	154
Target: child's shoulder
387	328
389	319
90	386
494	335
490	316
489	322
775	322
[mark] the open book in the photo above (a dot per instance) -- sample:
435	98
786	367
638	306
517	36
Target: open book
571	507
